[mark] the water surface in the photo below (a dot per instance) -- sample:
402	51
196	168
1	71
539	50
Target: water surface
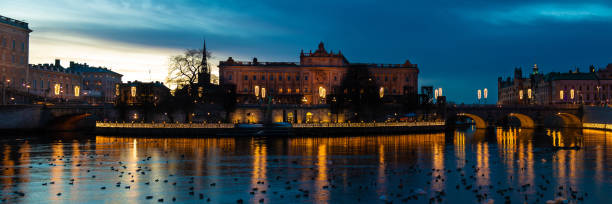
462	166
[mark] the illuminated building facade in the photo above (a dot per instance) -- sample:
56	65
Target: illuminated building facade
14	52
574	87
54	81
311	80
99	83
139	93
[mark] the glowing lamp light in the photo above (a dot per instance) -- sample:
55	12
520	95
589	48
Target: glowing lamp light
263	92
479	94
521	94
133	91
486	93
440	92
322	92
256	91
529	93
57	89
381	92
571	93
77	91
436	93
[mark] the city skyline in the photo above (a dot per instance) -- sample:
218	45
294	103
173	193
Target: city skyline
452	43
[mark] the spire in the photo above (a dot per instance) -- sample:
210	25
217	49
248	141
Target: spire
204	65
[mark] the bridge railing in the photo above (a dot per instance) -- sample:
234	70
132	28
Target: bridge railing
163	125
379	124
601	126
297	125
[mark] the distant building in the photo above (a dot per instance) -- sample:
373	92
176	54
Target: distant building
574	87
311	80
52	81
14	52
98	82
142	93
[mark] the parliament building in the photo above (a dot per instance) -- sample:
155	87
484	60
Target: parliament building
311	80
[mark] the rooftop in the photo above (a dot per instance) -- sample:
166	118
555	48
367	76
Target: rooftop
13	22
86	68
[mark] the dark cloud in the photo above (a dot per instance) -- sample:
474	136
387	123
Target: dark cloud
461	46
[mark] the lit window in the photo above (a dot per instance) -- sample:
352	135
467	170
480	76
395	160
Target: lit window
289	91
322	92
561	94
529	93
57	89
381	92
521	94
263	92
77	91
117	89
280	90
571	93
256	91
133	91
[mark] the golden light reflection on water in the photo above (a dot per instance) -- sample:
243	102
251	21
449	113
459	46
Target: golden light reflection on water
259	176
515	149
459	143
7	179
321	181
57	170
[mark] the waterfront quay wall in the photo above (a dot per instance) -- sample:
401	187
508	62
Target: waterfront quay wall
17	117
229	129
597	117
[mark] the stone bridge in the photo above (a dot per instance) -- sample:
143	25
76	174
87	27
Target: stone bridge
530	116
55	117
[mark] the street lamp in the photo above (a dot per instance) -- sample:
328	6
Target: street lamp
28	86
8	81
479	95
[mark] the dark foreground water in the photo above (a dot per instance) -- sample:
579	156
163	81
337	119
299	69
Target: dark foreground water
456	167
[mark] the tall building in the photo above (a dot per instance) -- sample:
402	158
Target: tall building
14	52
312	79
573	87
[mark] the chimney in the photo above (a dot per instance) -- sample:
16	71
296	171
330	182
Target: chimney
71	64
57	62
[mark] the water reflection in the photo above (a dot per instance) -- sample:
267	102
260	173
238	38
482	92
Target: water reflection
463	164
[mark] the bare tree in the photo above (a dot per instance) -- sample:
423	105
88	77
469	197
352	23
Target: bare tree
183	69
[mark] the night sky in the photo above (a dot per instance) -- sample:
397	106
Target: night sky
460	46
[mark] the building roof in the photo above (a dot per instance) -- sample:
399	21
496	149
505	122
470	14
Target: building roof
85	68
13	22
554	76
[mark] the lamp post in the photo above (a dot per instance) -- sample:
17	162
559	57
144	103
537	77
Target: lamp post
28	87
8	81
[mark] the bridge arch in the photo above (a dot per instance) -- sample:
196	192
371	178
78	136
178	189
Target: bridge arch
526	121
480	123
71	122
570	120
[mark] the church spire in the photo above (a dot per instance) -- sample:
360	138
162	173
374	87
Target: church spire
204	72
204	65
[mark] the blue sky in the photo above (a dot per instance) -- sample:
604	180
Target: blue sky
460	46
